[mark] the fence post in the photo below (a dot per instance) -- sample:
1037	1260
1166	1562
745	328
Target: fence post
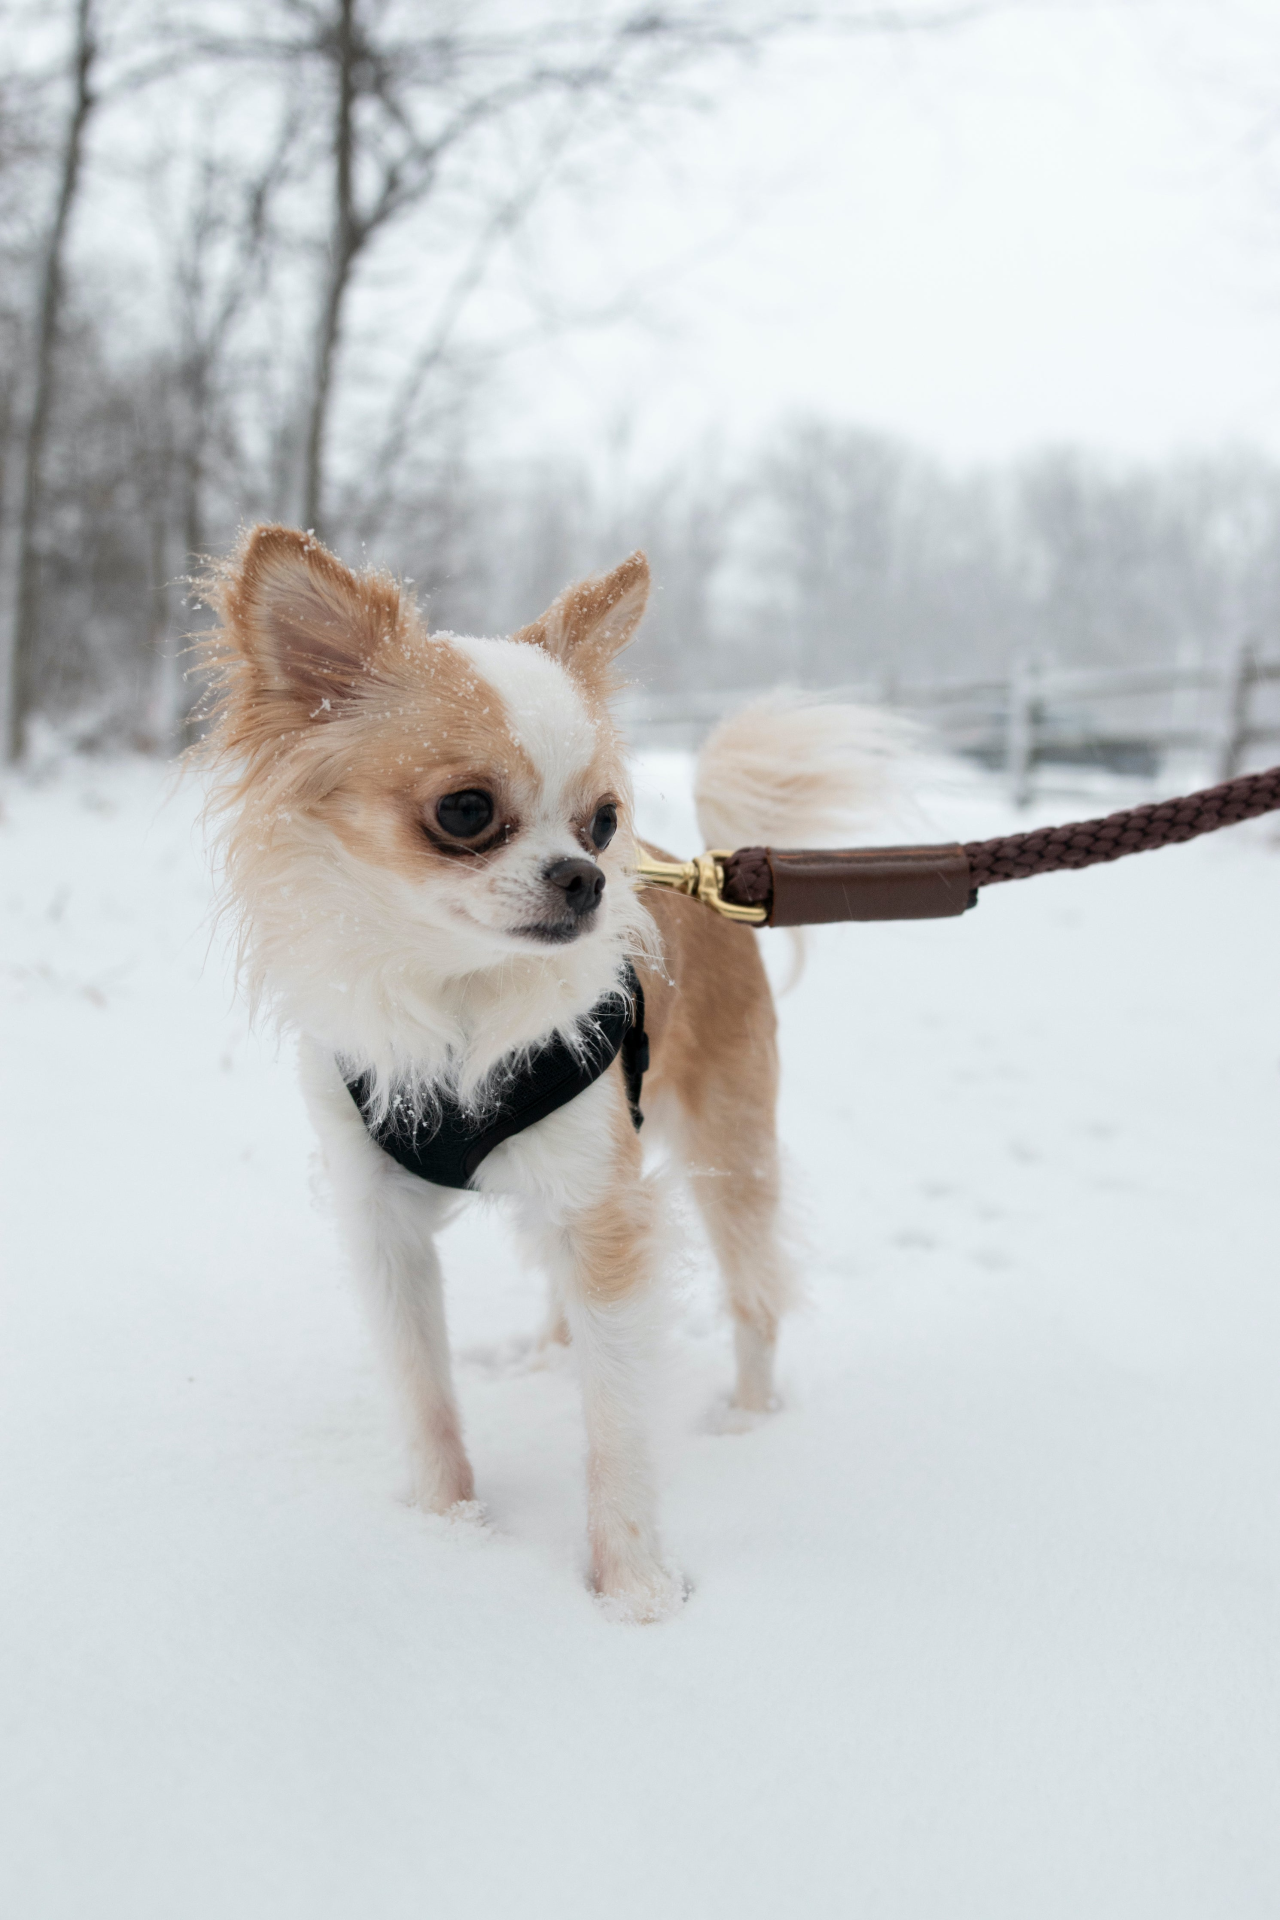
1235	734
1020	725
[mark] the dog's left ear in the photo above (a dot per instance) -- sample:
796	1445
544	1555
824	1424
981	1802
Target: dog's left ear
591	622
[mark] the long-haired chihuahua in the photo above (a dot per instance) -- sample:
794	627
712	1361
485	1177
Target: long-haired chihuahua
427	844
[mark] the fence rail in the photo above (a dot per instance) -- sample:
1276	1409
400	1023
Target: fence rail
1034	716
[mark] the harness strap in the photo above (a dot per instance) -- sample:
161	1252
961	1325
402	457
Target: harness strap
449	1153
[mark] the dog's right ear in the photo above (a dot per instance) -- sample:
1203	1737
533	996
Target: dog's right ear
308	627
592	621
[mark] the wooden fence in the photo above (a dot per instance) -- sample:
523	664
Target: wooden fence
1125	719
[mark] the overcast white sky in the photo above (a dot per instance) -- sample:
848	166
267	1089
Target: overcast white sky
1058	224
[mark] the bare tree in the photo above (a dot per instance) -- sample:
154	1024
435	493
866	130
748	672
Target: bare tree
411	109
407	109
19	681
20	158
221	262
155	52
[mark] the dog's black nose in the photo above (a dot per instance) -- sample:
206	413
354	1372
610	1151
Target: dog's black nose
580	881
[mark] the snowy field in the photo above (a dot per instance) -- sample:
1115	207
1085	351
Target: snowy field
986	1622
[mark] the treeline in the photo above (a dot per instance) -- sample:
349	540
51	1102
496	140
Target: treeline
831	556
826	556
240	254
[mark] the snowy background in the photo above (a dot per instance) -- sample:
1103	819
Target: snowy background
986	1621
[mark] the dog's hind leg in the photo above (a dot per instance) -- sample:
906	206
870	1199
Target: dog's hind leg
733	1169
388	1220
716	1055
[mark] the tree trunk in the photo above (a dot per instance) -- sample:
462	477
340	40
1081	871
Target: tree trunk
345	243
21	678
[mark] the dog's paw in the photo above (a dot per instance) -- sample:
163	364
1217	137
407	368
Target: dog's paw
466	1524
644	1600
441	1486
727	1416
466	1513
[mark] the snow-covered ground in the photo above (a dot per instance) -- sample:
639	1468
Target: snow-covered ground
986	1621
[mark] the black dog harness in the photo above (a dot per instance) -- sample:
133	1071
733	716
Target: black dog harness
553	1074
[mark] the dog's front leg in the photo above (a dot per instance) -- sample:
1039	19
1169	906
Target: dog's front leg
388	1221
607	1280
403	1283
626	1561
590	1217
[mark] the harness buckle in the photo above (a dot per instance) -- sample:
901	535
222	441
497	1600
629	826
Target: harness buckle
702	878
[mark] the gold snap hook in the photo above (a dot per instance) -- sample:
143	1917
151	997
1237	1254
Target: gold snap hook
702	879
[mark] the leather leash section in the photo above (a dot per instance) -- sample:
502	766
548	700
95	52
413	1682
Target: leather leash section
797	889
864	883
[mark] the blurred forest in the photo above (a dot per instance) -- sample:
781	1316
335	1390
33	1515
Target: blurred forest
204	212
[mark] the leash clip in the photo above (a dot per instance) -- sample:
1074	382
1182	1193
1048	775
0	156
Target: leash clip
702	878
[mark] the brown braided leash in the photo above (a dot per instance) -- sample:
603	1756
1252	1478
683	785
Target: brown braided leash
787	889
1139	830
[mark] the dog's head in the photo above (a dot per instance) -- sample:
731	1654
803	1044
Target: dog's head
477	784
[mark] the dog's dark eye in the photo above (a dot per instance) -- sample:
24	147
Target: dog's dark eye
465	814
604	826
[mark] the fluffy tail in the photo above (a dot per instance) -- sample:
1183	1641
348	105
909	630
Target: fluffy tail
786	772
783	773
